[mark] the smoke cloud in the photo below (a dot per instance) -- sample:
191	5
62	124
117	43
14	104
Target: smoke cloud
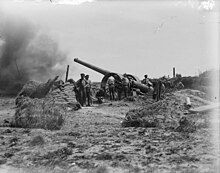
26	53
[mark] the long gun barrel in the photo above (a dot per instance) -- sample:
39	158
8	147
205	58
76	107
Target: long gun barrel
140	86
95	68
136	81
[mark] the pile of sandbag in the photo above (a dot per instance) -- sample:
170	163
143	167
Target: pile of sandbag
46	91
65	96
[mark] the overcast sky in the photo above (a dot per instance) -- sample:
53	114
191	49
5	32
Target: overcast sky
136	37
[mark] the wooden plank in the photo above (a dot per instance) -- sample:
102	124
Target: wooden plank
67	73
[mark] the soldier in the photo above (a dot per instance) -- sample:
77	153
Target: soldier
163	88
88	90
125	85
81	89
100	95
157	90
111	87
146	81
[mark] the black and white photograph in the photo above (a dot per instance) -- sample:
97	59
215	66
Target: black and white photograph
109	86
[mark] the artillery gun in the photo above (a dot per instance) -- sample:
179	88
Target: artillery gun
134	80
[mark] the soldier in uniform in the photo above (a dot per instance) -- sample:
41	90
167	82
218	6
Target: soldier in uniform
125	85
88	90
158	90
81	89
111	87
146	81
100	95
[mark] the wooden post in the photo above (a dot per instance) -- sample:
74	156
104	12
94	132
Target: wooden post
67	73
174	73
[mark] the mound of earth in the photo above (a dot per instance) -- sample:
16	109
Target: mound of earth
167	113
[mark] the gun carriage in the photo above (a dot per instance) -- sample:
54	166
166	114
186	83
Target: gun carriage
134	80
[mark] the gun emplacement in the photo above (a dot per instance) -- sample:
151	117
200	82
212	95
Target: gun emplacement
135	81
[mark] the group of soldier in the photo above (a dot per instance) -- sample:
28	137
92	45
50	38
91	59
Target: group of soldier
123	87
126	88
83	90
115	88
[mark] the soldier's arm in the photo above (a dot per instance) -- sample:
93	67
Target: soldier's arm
78	83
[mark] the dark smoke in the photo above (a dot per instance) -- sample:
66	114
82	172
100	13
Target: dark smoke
26	54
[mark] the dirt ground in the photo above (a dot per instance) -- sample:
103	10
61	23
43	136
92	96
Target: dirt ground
93	140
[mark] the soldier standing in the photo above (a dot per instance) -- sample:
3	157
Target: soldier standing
125	85
157	90
88	90
146	81
81	83
111	87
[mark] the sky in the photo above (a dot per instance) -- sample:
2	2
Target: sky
135	37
